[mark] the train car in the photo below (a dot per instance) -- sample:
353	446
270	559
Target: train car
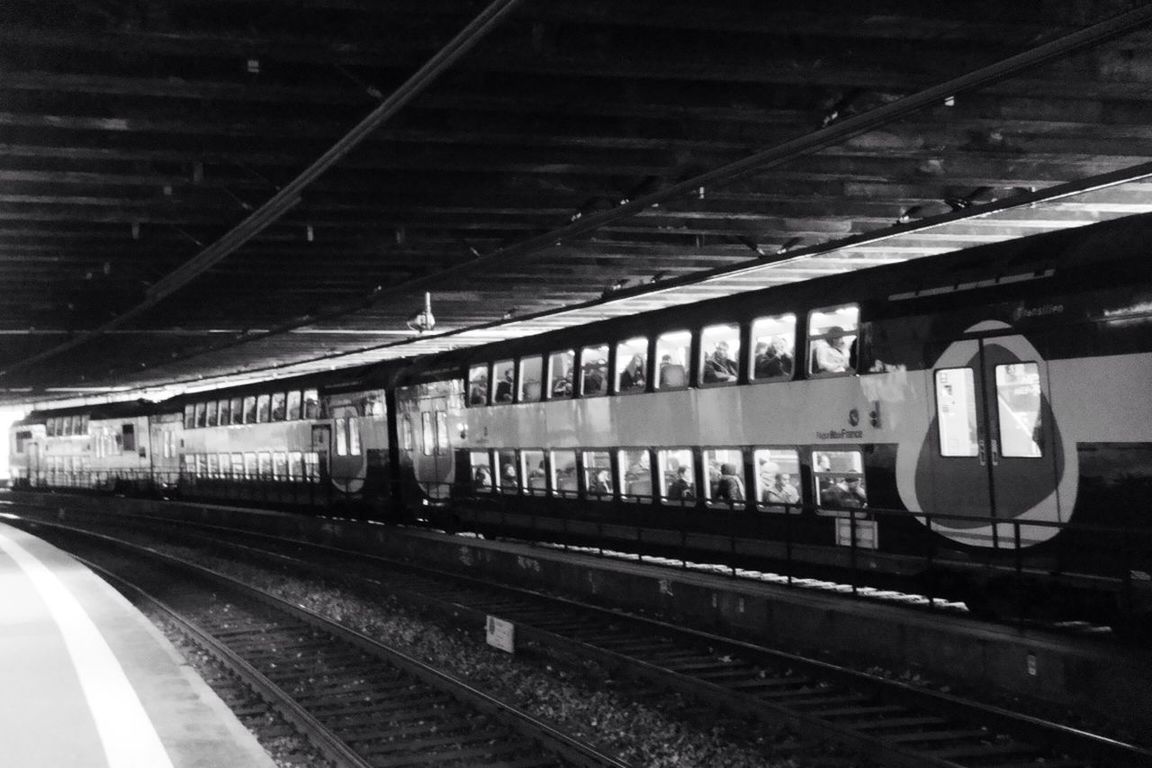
975	425
103	447
311	441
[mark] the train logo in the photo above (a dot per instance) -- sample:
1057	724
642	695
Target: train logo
999	473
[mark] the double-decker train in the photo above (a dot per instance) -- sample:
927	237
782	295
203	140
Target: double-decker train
977	425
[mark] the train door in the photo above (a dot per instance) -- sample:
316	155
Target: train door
994	446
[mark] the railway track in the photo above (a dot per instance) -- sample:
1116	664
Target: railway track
359	702
894	723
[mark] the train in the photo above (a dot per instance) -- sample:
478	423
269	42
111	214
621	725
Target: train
974	425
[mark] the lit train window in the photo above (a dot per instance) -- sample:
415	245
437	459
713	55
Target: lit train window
481	464
279	408
342	436
264	464
531	374
250	409
250	465
594	370
189	416
443	445
353	437
83	425
50	427
1018	410
201	465
263	408
503	373
293	407
839	479
509	478
632	365
280	465
428	438
832	340
560	373
188	465
201	414
720	354
672	354
677	481
478	385
312	465
598	474
773	348
635	475
212	412
238	465
406	433
564	481
295	465
956	412
224	411
534	473
724	468
311	404
237	410
213	465
225	464
777	479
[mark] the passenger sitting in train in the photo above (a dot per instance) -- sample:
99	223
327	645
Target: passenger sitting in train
594	381
671	374
478	394
680	489
772	362
731	487
718	366
504	388
632	377
831	354
562	385
846	494
508	476
781	491
482	481
601	484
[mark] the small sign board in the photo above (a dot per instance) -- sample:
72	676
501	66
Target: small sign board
501	634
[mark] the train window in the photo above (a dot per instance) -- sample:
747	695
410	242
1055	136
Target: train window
236	409
311	404
531	369
594	370
312	465
250	465
264	463
22	439
427	436
564	473
250	409
374	406
478	385
1018	410
213	465
225	463
295	463
632	365
341	424
189	416
560	367
832	339
201	414
293	407
442	442
201	465
725	469
225	412
672	351
188	465
956	412
129	436
534	473
777	475
280	465
598	473
773	348
635	474
212	413
503	372
279	408
50	427
481	464
406	433
238	465
83	425
677	481
263	408
719	354
353	437
839	479
509	477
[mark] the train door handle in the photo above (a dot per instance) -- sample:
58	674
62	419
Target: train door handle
995	453
981	453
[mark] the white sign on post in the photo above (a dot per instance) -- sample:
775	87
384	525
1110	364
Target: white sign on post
501	634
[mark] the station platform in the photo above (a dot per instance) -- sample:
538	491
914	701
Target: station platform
86	681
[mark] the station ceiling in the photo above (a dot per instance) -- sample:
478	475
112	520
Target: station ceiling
195	189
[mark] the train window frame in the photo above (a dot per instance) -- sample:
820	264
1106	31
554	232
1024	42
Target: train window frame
818	489
236	408
626	351
311	407
250	409
765	477
826	324
634	467
500	380
478	378
479	485
264	408
669	476
555	459
505	458
710	495
525	381
1040	426
765	329
947	396
128	438
293	406
599	353
278	409
711	337
533	467
610	495
562	384
679	363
